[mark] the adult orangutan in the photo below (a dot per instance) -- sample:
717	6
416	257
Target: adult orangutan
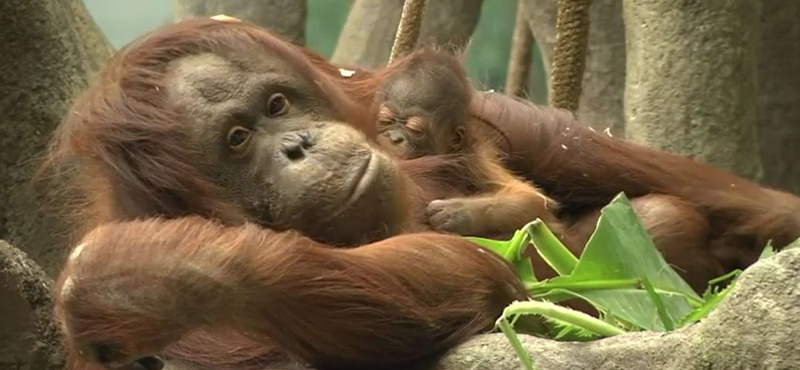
223	166
221	169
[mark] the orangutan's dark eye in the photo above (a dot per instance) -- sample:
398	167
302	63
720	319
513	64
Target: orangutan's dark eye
277	105
238	138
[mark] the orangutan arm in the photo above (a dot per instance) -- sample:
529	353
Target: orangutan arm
502	203
132	288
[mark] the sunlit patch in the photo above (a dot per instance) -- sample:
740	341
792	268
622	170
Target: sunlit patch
66	289
77	252
346	72
225	18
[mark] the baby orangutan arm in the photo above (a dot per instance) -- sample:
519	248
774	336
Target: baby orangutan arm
131	289
503	204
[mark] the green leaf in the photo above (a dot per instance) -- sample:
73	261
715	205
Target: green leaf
514	252
552	251
731	275
712	300
565	331
712	297
524	269
503	248
669	325
512	337
565	315
617	257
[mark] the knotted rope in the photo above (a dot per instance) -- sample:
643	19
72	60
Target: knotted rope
408	30
569	56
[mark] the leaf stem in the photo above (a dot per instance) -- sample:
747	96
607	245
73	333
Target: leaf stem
564	314
589	285
511	335
550	248
659	303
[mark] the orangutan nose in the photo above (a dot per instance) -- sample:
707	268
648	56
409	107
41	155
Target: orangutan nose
102	352
111	357
295	144
396	137
147	363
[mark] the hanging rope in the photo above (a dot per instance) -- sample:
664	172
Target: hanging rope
409	28
569	56
519	63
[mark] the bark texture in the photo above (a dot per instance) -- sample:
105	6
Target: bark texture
48	50
29	338
779	93
521	56
286	18
367	37
691	80
600	104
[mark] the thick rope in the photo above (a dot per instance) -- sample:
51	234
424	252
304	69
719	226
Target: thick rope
408	30
519	62
569	56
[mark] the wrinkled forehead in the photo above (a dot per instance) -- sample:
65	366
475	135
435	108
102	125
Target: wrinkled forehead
227	76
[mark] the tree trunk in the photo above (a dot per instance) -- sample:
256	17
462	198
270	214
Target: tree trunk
604	76
521	56
29	337
48	50
691	79
779	93
286	18
367	37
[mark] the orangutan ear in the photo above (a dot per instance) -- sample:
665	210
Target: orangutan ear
459	137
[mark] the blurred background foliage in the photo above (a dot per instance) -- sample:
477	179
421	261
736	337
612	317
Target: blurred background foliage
487	59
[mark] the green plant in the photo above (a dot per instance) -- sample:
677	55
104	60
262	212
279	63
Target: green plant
620	273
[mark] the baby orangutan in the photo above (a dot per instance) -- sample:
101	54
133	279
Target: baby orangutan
423	110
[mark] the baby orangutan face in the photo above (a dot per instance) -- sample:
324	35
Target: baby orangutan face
423	107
